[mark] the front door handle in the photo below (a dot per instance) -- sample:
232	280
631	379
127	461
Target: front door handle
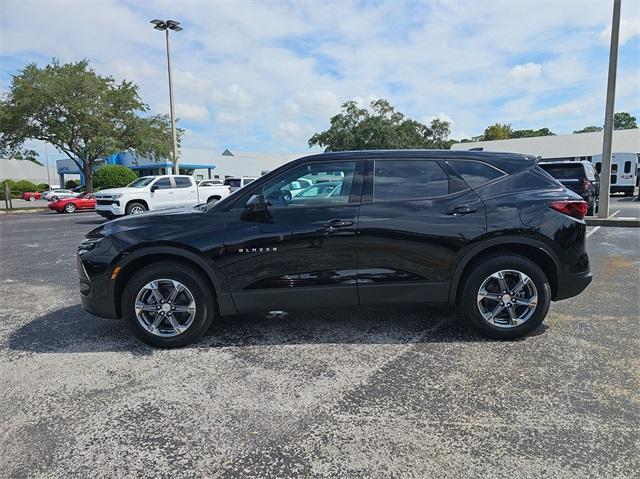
337	223
462	210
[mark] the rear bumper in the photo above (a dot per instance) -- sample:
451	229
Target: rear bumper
571	285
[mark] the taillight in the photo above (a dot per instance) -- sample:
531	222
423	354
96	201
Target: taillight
575	208
585	185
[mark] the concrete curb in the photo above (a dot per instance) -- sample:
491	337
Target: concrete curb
619	222
22	211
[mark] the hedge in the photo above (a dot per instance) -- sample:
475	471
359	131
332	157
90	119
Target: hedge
113	176
71	184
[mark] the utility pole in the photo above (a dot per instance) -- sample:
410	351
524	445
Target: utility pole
605	171
46	159
166	26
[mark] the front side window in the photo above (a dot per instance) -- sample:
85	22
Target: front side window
329	183
409	179
182	182
163	184
141	182
475	173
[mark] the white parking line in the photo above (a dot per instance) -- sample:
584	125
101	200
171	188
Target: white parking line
593	231
614	213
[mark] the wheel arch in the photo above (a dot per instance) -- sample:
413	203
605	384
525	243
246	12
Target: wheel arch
142	202
133	262
531	249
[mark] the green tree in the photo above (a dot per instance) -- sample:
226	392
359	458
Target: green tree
113	176
497	131
84	115
624	121
380	128
589	129
531	133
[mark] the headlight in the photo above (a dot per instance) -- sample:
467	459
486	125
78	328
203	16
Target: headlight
87	245
116	196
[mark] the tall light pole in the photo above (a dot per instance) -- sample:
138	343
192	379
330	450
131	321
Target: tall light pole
166	26
605	170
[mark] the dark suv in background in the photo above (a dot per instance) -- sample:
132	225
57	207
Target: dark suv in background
489	232
578	176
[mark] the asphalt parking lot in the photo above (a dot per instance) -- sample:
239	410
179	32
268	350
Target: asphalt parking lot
375	393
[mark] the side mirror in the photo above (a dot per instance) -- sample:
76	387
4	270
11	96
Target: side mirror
257	209
154	187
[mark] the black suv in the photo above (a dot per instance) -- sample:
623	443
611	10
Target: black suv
489	232
578	176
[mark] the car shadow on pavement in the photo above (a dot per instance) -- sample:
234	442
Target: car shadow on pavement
71	329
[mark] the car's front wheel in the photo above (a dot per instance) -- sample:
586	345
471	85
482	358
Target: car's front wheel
168	304
505	296
32	198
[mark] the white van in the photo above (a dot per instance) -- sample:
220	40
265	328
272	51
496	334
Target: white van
625	171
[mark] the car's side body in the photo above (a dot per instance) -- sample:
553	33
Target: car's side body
364	251
157	193
85	201
31	195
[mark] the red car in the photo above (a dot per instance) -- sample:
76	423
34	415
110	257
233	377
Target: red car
31	195
85	201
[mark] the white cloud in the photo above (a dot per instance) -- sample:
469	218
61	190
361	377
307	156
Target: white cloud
526	72
228	118
184	111
288	129
629	29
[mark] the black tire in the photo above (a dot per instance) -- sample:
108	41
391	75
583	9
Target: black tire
213	199
194	281
481	270
134	206
54	199
32	198
70	208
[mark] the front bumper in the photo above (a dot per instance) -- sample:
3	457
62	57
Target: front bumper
96	292
110	210
571	285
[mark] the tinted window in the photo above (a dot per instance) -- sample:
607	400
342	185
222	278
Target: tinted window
182	182
598	167
248	180
330	183
614	167
163	184
627	167
475	173
564	171
233	182
408	179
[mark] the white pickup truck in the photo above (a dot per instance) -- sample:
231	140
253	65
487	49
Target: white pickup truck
156	193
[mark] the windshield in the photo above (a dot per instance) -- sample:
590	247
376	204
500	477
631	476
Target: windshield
564	172
141	182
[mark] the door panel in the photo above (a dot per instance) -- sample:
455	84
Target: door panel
302	256
163	197
407	248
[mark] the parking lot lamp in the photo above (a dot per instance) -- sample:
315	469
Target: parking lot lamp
166	26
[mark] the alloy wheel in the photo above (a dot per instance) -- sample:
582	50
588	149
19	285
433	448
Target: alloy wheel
136	210
165	307
507	298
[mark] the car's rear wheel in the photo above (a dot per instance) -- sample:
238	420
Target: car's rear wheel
69	208
213	199
54	199
168	305
135	208
505	296
32	198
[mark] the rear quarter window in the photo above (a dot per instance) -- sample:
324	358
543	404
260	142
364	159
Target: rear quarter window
475	173
565	172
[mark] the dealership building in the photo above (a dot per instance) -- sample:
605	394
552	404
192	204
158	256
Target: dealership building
579	146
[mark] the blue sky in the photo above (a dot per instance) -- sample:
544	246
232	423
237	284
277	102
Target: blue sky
264	76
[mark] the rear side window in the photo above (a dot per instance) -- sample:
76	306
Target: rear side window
627	167
163	184
182	182
234	183
409	179
475	173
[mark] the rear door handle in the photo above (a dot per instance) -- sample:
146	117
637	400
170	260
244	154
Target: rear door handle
462	210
